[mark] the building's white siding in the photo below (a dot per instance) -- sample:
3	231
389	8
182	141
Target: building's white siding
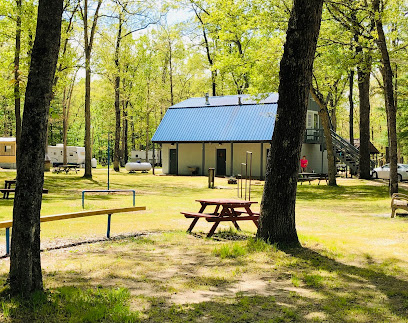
317	161
191	154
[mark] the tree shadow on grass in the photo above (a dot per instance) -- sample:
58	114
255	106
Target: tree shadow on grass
324	192
348	297
322	289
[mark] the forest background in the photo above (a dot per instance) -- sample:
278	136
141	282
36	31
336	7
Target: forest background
145	56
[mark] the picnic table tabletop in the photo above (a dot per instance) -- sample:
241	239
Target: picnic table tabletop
226	202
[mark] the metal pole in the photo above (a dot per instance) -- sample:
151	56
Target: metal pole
246	174
134	197
242	172
109	225
83	199
108	157
250	176
154	159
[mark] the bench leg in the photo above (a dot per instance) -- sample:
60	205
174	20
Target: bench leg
392	212
256	223
192	225
214	227
236	225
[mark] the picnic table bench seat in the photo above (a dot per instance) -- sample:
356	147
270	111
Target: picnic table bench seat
214	218
7	191
190	215
398	201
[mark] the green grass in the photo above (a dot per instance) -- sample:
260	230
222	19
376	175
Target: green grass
352	266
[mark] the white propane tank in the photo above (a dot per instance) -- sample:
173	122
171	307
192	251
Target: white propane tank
132	167
93	162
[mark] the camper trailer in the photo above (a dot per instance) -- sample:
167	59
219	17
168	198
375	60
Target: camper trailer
140	155
75	155
7	152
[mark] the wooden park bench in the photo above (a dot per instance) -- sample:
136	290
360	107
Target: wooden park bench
398	201
7	191
8	224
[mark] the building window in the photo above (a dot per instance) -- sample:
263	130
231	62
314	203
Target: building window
7	150
312	121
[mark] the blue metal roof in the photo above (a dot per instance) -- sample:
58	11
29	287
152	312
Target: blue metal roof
226	123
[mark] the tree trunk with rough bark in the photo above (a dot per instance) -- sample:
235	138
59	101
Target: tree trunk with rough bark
125	133
324	117
64	127
351	102
117	151
25	261
363	74
17	99
277	220
88	51
386	72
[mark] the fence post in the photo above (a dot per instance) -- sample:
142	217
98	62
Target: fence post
211	174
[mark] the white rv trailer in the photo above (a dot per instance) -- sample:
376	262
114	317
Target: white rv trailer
140	155
75	155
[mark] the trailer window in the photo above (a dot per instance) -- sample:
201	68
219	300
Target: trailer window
7	150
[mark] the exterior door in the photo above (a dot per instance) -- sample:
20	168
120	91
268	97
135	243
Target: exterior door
173	162
221	162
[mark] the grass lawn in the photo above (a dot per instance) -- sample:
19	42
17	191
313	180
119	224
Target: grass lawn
352	267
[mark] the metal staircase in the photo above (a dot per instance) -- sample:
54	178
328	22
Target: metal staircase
346	152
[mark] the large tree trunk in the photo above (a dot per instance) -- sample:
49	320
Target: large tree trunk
277	221
351	102
209	58
171	72
117	152
364	94
88	51
65	118
386	72
125	133
324	117
88	146
64	127
17	99
25	261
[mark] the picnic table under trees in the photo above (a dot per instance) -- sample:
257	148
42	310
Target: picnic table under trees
225	210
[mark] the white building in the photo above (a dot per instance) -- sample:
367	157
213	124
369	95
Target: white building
216	132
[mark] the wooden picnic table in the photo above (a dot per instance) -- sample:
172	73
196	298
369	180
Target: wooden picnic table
7	191
66	168
231	210
309	177
7	186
